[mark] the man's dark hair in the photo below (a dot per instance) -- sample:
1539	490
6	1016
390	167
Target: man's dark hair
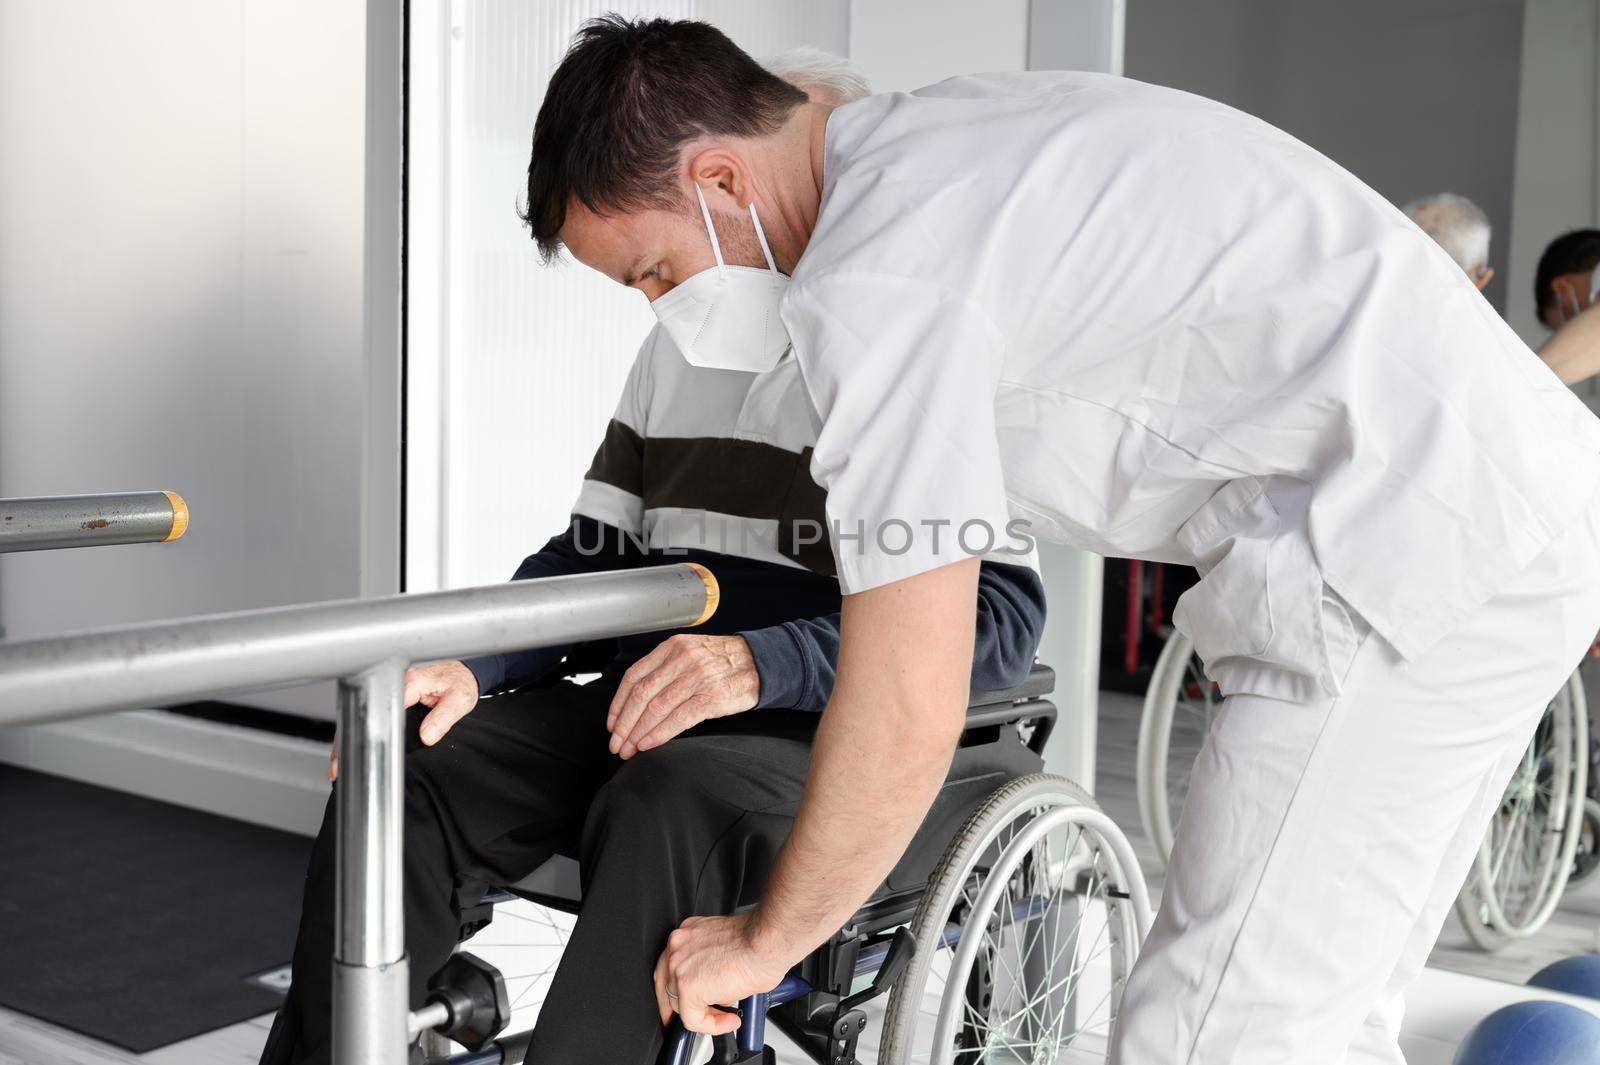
625	99
1577	252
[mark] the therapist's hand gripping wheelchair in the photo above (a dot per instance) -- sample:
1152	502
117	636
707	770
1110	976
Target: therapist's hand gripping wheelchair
1004	934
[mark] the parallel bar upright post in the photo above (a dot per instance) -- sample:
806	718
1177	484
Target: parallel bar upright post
370	983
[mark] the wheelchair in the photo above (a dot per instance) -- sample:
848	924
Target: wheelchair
1528	855
1005	933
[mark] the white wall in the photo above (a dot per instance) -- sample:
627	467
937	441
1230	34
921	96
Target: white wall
181	297
906	44
1413	98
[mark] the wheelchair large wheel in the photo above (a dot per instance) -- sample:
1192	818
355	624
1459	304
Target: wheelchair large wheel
1179	706
1025	938
1526	857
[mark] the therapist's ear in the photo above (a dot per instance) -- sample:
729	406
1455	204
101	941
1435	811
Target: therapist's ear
1483	277
721	175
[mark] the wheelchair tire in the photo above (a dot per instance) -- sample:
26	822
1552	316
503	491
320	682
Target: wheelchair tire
1037	855
1180	705
1526	857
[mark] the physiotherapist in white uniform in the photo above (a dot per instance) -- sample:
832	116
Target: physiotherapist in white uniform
1150	326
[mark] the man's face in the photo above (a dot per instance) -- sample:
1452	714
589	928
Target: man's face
1573	294
655	250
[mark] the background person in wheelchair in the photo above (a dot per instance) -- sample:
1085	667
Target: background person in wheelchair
675	776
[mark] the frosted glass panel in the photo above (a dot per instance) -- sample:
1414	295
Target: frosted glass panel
515	367
535	356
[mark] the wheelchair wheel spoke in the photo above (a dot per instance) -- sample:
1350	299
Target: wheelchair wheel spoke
535	980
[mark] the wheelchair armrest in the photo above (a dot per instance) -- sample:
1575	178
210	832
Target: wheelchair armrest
1041	681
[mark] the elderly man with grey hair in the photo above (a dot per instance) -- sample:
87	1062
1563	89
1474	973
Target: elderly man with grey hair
1460	227
825	77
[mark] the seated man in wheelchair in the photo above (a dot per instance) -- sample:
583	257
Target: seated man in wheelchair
674	777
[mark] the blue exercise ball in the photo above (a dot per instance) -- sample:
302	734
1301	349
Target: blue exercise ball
1576	976
1533	1033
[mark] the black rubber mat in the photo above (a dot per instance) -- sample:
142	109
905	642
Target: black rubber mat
134	921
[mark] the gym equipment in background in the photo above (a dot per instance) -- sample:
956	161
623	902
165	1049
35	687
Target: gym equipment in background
43	523
1533	1033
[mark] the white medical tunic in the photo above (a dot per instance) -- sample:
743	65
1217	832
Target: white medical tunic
1152	326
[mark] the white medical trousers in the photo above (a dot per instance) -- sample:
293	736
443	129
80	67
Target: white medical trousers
1323	842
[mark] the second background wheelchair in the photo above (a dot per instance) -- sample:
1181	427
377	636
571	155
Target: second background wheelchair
1545	832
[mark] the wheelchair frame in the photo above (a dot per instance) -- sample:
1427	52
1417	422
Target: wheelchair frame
814	1005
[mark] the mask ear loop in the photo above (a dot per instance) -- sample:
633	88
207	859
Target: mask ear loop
705	212
762	237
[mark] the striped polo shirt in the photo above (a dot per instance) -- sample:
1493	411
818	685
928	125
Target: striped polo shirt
713	466
716	460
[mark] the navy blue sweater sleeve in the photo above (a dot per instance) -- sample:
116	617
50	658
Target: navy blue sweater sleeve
795	660
587	546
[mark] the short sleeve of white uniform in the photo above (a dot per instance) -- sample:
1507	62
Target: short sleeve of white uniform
903	376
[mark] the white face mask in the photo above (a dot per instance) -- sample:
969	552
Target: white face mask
726	317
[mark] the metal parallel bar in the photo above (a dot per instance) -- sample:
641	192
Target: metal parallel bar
368	644
170	662
371	988
43	523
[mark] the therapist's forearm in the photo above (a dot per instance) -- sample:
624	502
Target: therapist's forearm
882	750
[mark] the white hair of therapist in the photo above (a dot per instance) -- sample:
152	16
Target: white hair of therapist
828	78
1460	227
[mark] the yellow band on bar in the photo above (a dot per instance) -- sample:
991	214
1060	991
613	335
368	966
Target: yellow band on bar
180	516
713	593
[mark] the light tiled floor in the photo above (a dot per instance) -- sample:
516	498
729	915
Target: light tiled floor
524	943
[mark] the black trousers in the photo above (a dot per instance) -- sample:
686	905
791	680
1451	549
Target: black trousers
688	828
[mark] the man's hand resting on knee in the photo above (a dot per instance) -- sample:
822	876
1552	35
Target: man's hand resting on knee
687	679
448	689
